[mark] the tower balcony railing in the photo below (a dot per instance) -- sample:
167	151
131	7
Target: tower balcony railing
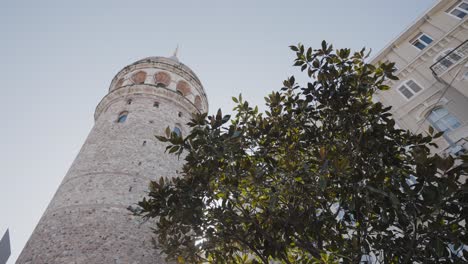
450	59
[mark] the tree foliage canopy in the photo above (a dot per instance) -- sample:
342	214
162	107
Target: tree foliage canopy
322	176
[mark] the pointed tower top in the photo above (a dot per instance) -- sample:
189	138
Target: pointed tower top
174	56
176	50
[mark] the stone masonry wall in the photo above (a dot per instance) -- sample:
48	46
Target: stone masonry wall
87	221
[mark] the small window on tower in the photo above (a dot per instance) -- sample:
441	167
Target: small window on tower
129	101
122	117
198	102
156	104
180	114
177	131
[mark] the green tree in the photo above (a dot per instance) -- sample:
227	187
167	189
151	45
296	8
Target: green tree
322	176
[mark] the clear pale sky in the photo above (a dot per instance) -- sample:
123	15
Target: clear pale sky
58	58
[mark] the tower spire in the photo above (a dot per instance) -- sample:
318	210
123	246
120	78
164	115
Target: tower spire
174	56
176	50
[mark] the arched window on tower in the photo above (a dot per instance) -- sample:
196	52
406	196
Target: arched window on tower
162	79
119	83
442	120
198	102
122	117
139	77
183	88
177	131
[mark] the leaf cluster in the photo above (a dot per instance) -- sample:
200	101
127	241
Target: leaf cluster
322	176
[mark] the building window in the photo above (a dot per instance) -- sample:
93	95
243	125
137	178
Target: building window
409	89
177	131
180	114
421	41
448	60
129	101
460	9
156	104
442	120
122	117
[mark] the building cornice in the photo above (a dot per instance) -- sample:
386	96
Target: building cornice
165	64
429	51
149	91
406	33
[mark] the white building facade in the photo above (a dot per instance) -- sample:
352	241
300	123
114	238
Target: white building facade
87	220
431	58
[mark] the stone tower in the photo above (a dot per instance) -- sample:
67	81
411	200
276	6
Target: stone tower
87	220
